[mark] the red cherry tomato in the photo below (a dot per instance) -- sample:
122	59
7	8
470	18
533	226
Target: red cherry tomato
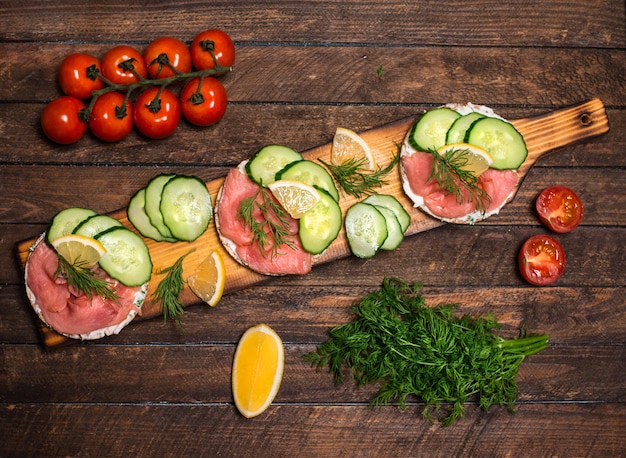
78	75
111	119
215	41
123	65
203	101
559	208
541	260
157	117
166	51
61	120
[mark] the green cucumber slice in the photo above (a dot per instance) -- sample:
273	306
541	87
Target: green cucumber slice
390	202
65	221
366	229
395	235
268	161
127	258
186	207
311	173
429	131
138	217
501	140
319	226
96	224
153	203
458	129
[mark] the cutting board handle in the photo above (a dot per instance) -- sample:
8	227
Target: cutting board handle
546	133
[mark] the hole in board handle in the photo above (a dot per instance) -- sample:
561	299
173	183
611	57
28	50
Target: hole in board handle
586	119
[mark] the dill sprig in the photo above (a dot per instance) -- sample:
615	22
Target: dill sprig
169	289
355	180
270	232
411	349
451	176
85	280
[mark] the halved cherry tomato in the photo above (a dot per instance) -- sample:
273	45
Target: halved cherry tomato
78	75
123	65
541	260
165	52
157	115
111	119
216	41
559	208
61	120
203	101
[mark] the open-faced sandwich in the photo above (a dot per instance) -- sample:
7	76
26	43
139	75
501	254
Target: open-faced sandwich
87	276
277	211
459	163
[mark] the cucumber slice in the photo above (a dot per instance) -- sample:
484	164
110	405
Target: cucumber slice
186	207
430	130
458	129
127	258
96	224
309	172
138	217
269	160
366	229
319	226
395	235
65	221
153	203
390	202
501	140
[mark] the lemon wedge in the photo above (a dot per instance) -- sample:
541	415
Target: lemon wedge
257	370
208	279
347	145
295	197
79	249
477	159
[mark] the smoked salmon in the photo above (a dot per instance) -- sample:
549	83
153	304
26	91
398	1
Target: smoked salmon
71	313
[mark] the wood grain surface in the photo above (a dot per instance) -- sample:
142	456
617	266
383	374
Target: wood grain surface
302	69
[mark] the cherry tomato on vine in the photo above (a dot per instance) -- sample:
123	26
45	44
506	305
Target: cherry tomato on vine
111	119
541	260
166	51
61	120
214	40
157	115
559	208
203	101
123	65
78	75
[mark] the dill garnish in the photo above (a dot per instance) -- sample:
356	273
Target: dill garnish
85	280
411	349
271	231
169	289
355	179
451	177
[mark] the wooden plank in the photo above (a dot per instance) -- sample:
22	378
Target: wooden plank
543	134
288	430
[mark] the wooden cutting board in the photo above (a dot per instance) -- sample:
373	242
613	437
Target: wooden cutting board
542	134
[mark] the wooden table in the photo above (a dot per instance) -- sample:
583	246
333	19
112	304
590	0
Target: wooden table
302	69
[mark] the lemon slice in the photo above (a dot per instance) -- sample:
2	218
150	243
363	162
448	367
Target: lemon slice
294	196
207	281
349	145
79	249
477	159
257	370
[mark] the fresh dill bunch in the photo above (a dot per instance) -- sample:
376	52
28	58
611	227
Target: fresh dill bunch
453	178
355	179
85	280
270	232
169	289
411	349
